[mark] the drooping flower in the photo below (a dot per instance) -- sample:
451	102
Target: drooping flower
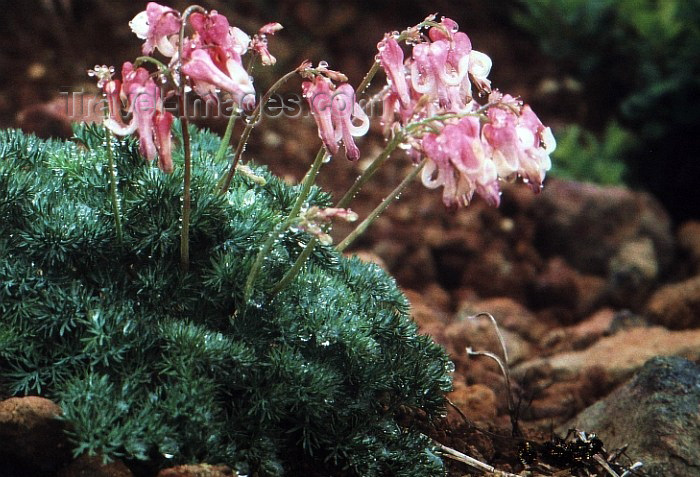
158	25
213	29
112	91
141	95
212	59
391	59
521	143
259	43
462	165
210	70
163	122
319	94
345	110
334	112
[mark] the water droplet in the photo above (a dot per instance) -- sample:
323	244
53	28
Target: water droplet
248	198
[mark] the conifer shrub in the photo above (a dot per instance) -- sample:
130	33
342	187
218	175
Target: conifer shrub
153	363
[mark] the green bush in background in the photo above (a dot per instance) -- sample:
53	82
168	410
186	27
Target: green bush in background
581	156
639	64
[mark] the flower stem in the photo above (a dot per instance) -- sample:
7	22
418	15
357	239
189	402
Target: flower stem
369	172
296	267
359	230
368	78
225	182
221	152
186	207
184	124
113	188
149	59
307	182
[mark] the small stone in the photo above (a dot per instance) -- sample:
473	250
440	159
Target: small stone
479	334
95	466
32	435
619	355
593	328
632	273
676	306
198	470
689	242
477	402
656	415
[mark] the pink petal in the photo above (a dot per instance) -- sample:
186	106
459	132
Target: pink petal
163	121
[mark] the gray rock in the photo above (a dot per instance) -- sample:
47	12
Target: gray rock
657	414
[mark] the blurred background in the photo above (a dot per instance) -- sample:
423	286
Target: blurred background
618	80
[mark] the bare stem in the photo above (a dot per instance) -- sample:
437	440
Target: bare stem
505	369
393	195
472	462
184	124
369	172
296	267
186	207
368	78
113	188
225	183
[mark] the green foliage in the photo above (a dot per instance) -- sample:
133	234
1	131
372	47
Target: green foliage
155	364
638	62
581	156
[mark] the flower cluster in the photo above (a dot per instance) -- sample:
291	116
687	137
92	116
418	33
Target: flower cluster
141	95
472	146
335	109
210	61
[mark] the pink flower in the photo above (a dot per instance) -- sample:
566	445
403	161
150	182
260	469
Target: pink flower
141	94
319	94
440	72
213	61
521	143
391	59
156	25
345	110
211	68
163	122
213	29
458	156
259	43
111	88
334	112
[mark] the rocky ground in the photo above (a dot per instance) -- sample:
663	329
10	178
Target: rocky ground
595	290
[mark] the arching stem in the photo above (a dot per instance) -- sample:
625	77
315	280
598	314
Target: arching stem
281	227
393	195
225	182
